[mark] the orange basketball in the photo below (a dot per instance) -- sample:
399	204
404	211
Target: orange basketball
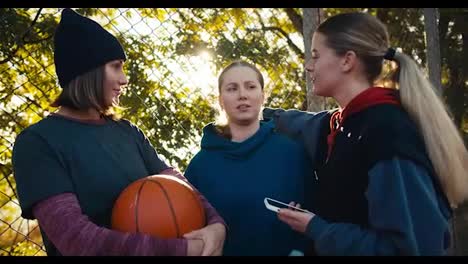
159	205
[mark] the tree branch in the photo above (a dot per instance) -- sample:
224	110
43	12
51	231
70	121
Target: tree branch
296	19
291	44
35	41
259	18
22	40
443	29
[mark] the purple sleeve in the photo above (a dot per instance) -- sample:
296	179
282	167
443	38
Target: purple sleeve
72	233
212	215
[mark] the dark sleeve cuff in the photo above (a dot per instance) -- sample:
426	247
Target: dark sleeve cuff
271	113
315	227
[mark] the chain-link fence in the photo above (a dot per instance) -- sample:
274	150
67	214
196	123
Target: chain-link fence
174	56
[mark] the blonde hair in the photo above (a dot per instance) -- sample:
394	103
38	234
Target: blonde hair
368	38
86	91
443	141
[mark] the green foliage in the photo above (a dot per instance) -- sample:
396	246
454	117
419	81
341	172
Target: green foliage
255	40
24	248
172	108
172	88
453	34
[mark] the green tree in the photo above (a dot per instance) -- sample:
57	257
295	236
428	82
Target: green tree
453	30
168	107
163	48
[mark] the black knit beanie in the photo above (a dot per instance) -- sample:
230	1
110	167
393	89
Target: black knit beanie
81	45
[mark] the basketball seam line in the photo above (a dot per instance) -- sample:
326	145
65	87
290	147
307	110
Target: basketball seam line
171	207
200	204
136	207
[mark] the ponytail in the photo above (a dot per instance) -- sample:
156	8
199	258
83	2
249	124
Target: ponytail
443	141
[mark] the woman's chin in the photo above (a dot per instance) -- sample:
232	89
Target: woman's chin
245	120
319	92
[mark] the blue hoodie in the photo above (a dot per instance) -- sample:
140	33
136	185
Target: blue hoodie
236	177
406	214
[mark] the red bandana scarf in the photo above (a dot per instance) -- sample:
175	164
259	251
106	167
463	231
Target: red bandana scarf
370	97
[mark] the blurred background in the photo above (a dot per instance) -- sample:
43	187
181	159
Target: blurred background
174	58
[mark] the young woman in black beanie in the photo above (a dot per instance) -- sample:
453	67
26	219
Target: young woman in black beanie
390	163
72	165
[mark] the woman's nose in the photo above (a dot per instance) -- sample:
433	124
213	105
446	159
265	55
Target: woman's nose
124	80
242	93
309	66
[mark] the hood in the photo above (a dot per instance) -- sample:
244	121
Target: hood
212	141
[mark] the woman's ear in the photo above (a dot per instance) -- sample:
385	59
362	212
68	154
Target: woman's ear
220	102
349	61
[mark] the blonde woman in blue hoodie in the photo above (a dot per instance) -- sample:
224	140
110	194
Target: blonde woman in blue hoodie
245	160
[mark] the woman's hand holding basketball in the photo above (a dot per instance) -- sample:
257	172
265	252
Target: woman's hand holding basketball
194	247
213	236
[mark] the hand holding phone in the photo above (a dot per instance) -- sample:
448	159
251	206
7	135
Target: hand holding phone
275	205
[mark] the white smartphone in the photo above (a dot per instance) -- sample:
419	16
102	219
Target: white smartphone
275	205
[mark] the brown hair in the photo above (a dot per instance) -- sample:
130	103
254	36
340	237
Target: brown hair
86	91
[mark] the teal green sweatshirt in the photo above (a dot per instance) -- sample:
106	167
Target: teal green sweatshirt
236	177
